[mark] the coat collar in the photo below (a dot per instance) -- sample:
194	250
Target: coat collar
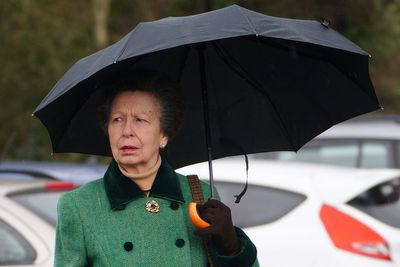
121	190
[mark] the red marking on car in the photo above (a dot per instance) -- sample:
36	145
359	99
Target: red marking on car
349	234
55	186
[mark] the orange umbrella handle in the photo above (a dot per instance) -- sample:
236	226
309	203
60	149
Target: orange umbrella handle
195	217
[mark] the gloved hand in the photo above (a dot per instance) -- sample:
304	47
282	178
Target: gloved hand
222	232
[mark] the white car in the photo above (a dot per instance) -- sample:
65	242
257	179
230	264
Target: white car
307	215
28	213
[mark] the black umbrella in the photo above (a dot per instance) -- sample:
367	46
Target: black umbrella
260	83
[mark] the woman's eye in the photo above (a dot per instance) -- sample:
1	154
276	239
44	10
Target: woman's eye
140	119
117	119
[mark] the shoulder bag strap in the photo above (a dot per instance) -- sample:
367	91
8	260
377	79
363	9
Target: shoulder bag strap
197	195
195	187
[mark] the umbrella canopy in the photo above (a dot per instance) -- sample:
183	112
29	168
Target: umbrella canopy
270	83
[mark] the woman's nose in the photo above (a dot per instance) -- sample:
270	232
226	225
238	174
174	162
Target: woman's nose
128	129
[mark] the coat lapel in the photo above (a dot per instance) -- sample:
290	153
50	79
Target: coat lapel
121	190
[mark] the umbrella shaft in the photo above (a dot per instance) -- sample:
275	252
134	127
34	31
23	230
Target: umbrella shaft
203	82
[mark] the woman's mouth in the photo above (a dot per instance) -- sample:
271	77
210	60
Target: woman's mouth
127	149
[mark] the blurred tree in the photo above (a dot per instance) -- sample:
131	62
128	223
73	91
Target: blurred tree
40	39
203	6
100	14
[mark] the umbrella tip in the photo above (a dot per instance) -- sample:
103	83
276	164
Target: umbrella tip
325	22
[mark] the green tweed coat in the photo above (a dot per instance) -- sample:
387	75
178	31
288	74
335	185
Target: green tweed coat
105	223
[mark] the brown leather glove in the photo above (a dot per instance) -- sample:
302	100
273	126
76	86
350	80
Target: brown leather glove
221	229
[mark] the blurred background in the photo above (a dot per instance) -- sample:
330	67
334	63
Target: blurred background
41	39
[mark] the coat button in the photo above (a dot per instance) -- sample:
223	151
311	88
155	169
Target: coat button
179	242
174	205
128	246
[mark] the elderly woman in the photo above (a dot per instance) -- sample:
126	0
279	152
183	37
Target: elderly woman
137	214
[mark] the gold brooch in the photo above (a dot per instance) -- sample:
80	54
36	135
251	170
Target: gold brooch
152	206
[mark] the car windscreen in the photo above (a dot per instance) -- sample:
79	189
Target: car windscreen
260	205
43	204
381	202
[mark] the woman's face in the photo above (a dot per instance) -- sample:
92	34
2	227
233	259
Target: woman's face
134	130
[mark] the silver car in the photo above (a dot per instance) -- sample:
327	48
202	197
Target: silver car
71	172
365	142
28	216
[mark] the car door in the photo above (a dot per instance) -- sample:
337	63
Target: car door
24	240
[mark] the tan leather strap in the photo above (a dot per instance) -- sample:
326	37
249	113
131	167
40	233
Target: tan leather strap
197	195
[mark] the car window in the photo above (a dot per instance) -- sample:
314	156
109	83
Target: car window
43	204
342	152
336	152
14	249
381	202
248	212
377	154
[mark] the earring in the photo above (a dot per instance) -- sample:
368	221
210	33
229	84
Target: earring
162	145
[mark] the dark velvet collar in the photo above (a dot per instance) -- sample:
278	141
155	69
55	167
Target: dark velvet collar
121	190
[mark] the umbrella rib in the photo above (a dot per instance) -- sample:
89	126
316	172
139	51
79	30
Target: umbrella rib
239	70
183	63
241	11
287	26
127	41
